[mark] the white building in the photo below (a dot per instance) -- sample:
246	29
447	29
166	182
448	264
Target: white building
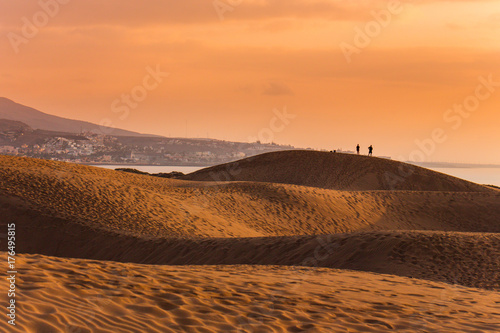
8	150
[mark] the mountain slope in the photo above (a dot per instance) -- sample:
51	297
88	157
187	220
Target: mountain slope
334	171
39	120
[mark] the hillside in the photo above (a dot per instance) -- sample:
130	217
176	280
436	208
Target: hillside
7	125
334	171
39	120
36	134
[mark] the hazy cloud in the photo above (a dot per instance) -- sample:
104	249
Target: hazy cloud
277	89
129	13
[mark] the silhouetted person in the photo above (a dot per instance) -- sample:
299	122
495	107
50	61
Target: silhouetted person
357	149
370	150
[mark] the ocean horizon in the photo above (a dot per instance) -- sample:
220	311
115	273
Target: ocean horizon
485	176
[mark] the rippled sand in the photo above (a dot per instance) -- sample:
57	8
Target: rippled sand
73	295
291	256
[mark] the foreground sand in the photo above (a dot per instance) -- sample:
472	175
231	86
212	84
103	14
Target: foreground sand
72	295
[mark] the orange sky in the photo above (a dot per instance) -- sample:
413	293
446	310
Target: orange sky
231	66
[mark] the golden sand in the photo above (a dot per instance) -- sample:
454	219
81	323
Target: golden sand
72	295
321	242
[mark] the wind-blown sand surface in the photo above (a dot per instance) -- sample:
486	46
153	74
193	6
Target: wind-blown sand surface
293	209
334	171
71	295
155	207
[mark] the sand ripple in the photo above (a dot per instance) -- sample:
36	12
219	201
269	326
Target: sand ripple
93	296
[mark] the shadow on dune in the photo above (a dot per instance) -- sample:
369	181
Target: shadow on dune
68	210
468	259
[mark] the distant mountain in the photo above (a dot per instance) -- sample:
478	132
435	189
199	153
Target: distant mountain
39	120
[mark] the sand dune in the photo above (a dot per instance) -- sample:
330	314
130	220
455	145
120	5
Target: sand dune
153	207
71	295
84	212
469	259
334	171
434	227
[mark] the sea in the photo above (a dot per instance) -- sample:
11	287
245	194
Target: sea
487	176
154	168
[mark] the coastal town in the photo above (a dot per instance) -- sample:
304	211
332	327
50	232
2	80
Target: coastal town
94	148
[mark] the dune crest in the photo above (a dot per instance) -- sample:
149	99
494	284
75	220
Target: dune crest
152	207
334	171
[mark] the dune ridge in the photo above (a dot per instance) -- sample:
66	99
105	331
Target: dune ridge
335	171
157	208
469	259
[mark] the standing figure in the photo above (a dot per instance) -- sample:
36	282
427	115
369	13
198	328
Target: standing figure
370	150
357	148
